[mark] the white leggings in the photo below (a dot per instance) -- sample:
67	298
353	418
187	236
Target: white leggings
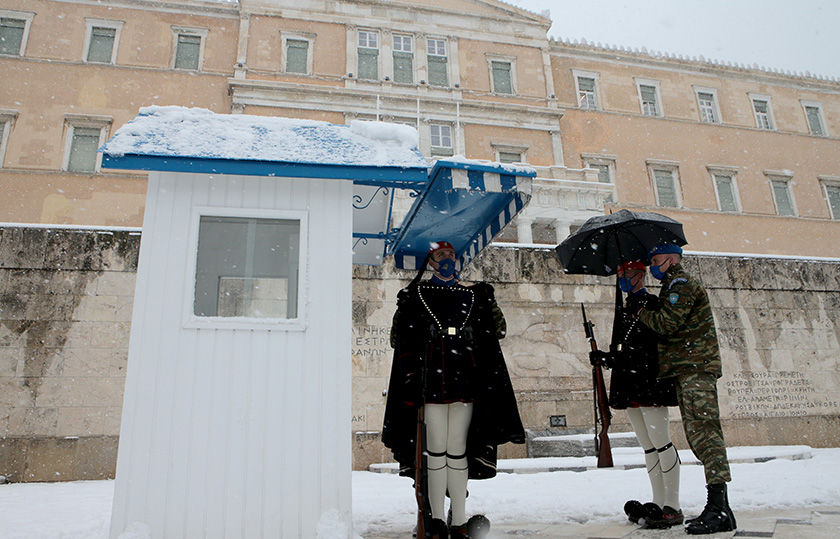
661	458
447	426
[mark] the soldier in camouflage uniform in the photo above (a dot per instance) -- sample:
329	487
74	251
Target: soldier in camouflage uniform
689	351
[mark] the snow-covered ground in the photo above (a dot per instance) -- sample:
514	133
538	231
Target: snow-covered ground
384	504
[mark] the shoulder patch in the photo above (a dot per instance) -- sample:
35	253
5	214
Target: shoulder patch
677	280
673	297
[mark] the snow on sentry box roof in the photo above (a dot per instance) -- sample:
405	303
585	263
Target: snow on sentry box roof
199	140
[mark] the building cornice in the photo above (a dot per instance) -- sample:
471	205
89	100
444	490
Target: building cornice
709	68
209	7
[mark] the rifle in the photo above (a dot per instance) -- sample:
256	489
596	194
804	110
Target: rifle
602	409
421	471
421	479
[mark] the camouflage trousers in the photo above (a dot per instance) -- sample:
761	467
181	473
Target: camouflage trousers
698	399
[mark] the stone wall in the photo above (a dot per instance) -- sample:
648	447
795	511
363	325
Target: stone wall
65	310
778	322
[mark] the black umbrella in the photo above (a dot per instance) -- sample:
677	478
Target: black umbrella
604	241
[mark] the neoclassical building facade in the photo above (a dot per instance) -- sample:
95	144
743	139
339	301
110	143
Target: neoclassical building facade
747	158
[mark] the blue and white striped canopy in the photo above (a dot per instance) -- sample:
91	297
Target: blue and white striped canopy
466	203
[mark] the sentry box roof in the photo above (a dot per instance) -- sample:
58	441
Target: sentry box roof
464	202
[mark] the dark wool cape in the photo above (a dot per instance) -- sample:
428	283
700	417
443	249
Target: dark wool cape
495	418
634	380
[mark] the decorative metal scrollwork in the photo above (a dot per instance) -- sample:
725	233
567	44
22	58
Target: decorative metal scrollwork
363	241
357	199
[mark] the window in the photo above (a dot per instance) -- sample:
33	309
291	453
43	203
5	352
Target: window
586	85
586	93
404	120
189	48
506	152
509	157
102	39
707	103
14	31
296	55
604	164
368	54
84	136
814	116
7	119
725	188
832	196
603	173
665	183
763	112
649	97
436	59
441	139
666	192
501	72
247	267
403	51
782	196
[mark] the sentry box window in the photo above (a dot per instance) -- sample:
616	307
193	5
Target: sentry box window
247	271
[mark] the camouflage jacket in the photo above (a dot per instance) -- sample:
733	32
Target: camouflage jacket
688	340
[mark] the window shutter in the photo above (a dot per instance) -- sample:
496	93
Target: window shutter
833	193
603	173
368	64
665	188
510	157
83	149
437	71
585	84
726	193
187	54
782	196
814	120
11	35
502	83
403	67
296	55
101	45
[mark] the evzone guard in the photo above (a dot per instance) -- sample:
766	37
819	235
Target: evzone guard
450	400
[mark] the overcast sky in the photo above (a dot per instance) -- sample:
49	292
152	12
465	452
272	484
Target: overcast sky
794	35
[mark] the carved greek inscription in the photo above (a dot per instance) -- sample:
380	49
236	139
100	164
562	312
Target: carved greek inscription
776	394
371	341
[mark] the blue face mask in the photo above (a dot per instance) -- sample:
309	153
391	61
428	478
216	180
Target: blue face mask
625	285
657	273
446	268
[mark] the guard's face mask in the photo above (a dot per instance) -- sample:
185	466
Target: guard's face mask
446	268
657	272
625	285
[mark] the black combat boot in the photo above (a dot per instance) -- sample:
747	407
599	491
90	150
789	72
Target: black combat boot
716	516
